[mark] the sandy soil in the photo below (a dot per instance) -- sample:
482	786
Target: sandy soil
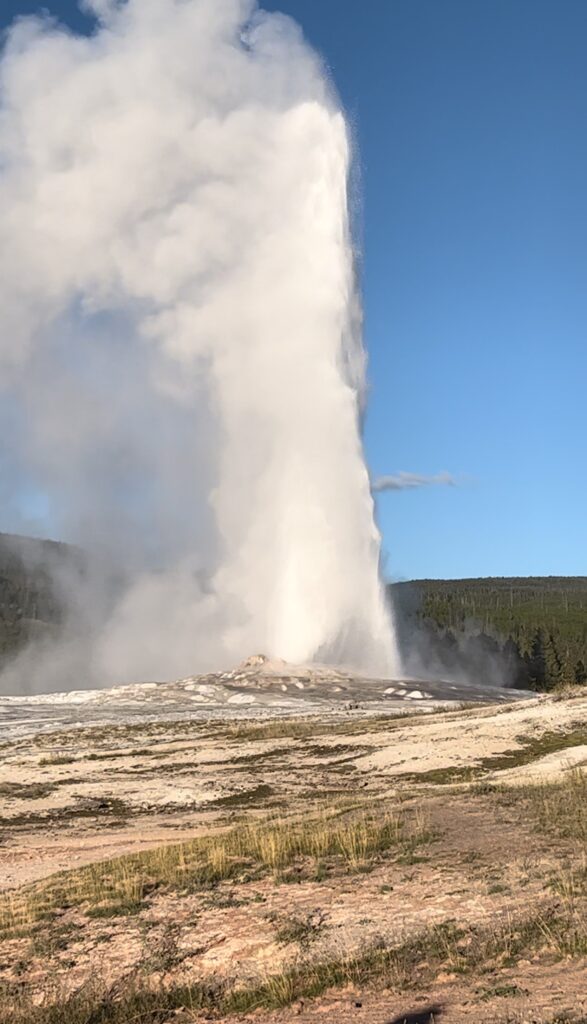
129	788
72	797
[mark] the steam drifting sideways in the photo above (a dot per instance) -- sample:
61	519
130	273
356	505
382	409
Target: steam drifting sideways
182	371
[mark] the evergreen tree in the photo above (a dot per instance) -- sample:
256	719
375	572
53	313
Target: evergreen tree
535	661
552	662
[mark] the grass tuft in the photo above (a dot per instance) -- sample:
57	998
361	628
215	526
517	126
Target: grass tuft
348	839
559	807
561	932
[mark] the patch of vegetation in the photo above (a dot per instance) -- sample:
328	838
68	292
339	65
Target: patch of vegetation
472	857
272	729
501	991
161	951
27	791
57	759
245	797
348	839
412	964
535	747
301	931
305	728
334	751
224	900
68	759
258	755
325	794
45	942
88	807
566	1018
410	858
530	749
124	908
112	735
113	754
556	807
444	776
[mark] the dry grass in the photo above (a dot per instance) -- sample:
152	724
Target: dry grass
26	791
57	759
272	729
558	932
173	731
529	749
347	839
302	728
561	933
559	808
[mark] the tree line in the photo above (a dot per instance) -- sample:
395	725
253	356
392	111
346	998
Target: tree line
530	631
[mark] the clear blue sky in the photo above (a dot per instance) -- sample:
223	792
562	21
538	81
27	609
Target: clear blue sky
471	121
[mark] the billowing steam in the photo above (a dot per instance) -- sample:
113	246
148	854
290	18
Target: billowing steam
181	359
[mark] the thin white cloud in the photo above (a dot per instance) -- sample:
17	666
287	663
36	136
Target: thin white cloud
408	481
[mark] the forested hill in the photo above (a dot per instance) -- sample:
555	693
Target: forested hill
29	602
526	632
533	628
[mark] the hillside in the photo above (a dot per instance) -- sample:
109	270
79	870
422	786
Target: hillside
532	629
529	632
29	597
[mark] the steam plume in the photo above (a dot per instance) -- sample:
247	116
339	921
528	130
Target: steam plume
181	357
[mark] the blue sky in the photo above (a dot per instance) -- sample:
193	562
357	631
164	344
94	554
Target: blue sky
471	123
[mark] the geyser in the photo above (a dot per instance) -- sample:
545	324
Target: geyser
182	363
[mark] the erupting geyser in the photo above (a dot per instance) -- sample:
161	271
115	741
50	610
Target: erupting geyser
181	340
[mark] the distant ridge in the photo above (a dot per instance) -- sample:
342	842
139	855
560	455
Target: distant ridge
532	628
495	581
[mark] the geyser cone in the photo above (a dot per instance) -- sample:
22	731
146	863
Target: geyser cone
189	165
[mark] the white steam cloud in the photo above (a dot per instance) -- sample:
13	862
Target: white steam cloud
407	481
181	363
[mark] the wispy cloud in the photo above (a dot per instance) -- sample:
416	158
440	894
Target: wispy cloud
407	481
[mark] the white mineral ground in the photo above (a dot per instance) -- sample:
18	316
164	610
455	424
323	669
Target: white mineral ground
258	688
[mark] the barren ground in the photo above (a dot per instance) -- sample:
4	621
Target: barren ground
457	837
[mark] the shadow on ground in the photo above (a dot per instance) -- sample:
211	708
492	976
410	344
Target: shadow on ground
428	1015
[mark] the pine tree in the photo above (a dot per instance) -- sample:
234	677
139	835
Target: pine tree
552	662
535	661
